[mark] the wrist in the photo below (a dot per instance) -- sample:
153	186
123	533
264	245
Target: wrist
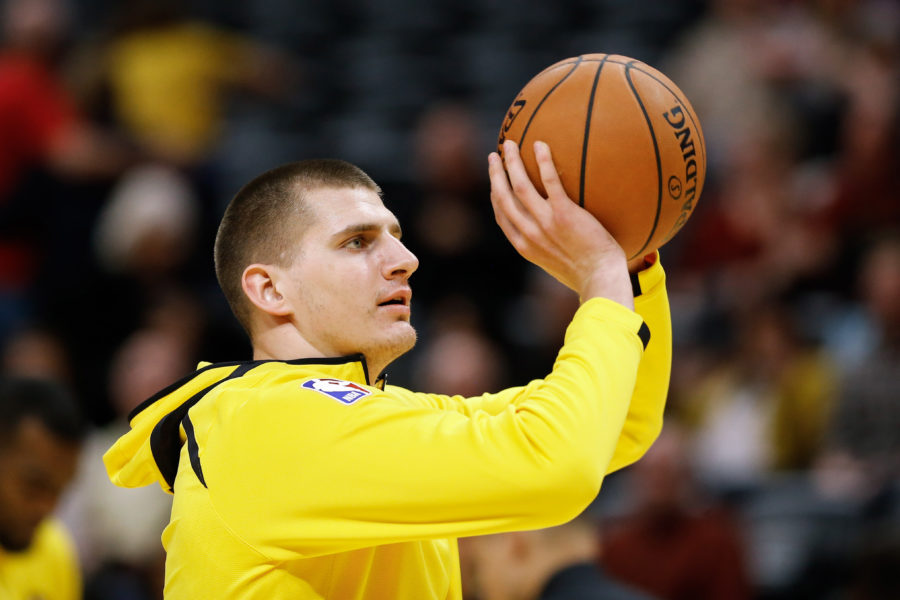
609	280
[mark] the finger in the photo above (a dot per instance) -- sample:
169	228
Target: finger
549	174
523	187
502	200
514	236
509	202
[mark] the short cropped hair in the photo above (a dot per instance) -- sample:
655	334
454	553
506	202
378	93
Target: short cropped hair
44	400
267	215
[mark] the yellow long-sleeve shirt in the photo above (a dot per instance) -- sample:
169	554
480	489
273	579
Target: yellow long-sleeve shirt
299	479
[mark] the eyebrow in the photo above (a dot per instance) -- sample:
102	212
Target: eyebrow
394	228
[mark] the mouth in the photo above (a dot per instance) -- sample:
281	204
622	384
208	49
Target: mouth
400	297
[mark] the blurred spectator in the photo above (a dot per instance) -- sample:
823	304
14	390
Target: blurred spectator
147	225
674	543
40	132
871	322
167	78
117	531
715	66
40	432
452	227
764	408
40	124
867	183
459	359
758	234
36	352
863	453
557	563
144	241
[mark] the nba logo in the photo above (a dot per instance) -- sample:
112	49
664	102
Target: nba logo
345	392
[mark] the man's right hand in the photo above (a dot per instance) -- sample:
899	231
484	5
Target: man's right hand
554	232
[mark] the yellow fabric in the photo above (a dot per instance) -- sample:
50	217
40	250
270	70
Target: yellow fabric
167	84
309	497
47	570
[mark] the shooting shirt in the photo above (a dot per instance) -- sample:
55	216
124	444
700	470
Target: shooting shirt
301	479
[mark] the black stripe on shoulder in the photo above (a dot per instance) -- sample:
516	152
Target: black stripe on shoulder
171	388
193	448
165	441
247	365
644	334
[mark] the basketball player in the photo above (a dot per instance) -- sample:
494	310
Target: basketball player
300	474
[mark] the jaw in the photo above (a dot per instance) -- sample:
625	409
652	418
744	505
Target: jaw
380	354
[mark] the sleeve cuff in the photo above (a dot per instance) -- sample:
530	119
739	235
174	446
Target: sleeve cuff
645	280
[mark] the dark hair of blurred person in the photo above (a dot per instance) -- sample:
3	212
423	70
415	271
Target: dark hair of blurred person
40	433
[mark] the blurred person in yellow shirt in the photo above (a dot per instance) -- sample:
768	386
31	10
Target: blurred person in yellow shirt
168	77
40	433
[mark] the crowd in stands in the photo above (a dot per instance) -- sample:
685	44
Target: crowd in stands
125	128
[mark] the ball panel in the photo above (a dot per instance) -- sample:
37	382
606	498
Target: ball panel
619	162
530	99
552	114
681	149
667	84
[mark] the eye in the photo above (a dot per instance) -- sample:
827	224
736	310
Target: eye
356	243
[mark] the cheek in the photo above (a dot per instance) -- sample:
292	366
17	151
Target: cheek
13	498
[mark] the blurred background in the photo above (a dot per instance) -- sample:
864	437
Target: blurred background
125	128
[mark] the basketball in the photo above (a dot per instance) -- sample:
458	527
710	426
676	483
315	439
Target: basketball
625	140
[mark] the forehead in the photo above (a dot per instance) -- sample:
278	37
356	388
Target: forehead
335	209
33	442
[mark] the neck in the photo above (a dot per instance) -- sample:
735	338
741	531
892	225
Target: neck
282	342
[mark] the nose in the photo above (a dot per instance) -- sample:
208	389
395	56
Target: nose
400	262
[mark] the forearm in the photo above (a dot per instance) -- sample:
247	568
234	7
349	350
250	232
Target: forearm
645	412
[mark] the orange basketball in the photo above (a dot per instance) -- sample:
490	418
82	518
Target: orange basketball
625	140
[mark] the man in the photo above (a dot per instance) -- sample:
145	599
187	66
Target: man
301	475
40	431
556	563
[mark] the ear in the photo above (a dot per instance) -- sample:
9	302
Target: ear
260	284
